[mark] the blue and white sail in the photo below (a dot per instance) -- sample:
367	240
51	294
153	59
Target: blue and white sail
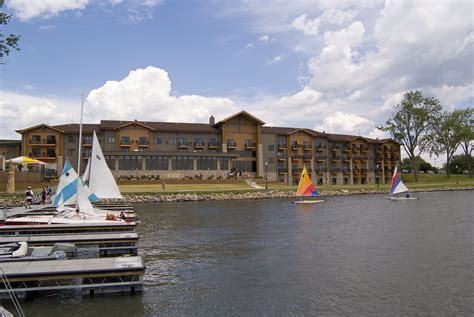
397	185
67	187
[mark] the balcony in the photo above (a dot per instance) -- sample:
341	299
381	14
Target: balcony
43	155
282	158
199	145
295	146
125	143
335	169
346	170
335	158
356	171
143	143
363	170
231	145
378	149
356	158
363	158
87	142
296	157
321	170
307	158
43	142
346	149
364	148
183	144
321	157
281	147
345	158
282	170
306	147
320	147
212	145
249	146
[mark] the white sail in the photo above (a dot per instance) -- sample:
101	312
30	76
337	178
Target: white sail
101	180
397	185
83	201
85	176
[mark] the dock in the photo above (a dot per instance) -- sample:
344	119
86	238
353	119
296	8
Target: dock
63	229
89	276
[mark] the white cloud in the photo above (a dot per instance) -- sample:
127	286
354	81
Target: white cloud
145	94
27	9
276	59
340	122
265	39
18	111
307	26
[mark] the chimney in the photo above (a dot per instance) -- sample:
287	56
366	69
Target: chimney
212	121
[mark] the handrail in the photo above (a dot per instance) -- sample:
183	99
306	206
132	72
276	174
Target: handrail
11	293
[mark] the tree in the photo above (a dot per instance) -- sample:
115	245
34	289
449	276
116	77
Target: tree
448	134
10	42
413	124
467	136
460	162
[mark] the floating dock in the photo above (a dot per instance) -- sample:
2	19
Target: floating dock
108	244
89	276
57	229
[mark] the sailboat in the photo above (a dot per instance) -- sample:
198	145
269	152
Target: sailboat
397	187
306	189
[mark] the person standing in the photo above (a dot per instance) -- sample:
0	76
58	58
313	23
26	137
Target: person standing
48	194
28	197
43	196
163	186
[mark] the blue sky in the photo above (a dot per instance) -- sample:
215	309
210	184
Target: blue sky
334	66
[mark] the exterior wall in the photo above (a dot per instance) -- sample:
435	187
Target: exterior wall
9	150
39	143
270	151
134	132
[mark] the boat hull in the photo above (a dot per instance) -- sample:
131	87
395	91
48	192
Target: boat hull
308	201
401	198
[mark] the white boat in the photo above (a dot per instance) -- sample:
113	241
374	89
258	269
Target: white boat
306	189
398	187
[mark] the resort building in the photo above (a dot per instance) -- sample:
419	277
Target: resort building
8	150
240	145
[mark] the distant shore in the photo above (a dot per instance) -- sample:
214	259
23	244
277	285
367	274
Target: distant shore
15	200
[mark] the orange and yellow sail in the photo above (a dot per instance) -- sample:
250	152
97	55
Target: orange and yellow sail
306	186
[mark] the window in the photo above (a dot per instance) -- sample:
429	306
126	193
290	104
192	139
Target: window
51	153
87	153
129	162
213	142
87	139
207	162
334	181
224	163
36	139
245	166
157	140
182	163
125	140
271	147
173	141
271	160
143	140
111	140
156	162
110	161
71	139
35	152
231	142
71	152
198	141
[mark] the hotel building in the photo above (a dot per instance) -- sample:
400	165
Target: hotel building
239	144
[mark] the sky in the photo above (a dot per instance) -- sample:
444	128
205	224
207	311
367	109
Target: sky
333	66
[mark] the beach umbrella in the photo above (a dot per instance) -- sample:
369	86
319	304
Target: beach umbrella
25	160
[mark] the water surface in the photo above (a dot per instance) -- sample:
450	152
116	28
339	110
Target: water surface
352	255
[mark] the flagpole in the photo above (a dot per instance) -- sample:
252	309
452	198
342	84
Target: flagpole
79	152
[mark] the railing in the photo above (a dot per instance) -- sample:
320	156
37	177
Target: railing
43	141
296	157
183	143
281	146
125	143
11	293
307	158
249	145
212	144
335	169
321	157
363	158
198	144
345	158
295	146
282	170
231	144
345	148
346	170
321	170
335	157
320	147
306	147
335	147
43	154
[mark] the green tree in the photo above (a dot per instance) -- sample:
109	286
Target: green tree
460	162
467	132
7	42
448	134
413	124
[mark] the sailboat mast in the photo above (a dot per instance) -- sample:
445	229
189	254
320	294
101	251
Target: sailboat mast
79	151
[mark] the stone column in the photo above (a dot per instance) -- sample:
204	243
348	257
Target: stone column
143	163
11	178
170	164
195	163
224	147
219	164
117	166
290	172
260	163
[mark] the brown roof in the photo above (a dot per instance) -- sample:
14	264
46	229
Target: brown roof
37	126
74	127
243	112
162	126
7	142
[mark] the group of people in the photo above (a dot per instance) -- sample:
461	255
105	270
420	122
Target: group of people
45	196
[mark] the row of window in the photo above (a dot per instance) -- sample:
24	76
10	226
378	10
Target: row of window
158	162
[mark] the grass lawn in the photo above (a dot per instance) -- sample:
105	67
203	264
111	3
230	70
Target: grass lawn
427	181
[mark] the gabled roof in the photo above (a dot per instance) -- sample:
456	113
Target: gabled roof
287	131
162	126
10	142
74	127
244	113
38	126
135	123
308	131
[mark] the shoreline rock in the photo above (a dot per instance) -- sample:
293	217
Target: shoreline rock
216	196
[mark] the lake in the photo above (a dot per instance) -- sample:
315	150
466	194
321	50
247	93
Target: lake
352	255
